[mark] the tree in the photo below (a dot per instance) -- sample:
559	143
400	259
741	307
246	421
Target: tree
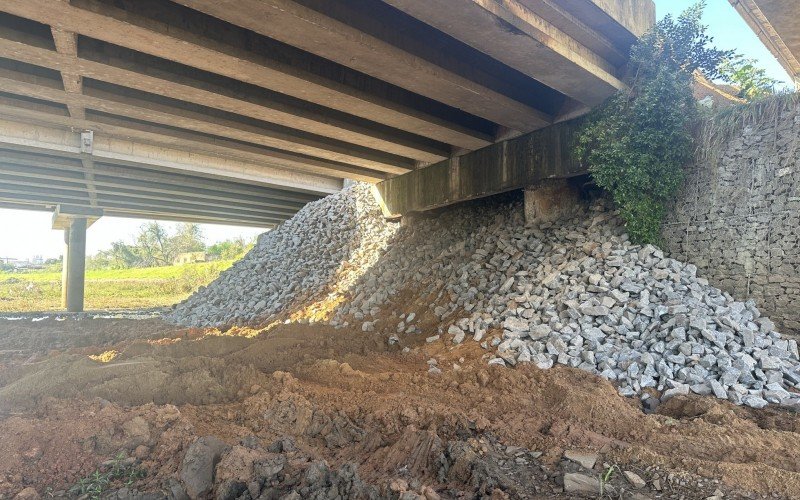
229	249
188	238
155	247
751	80
637	143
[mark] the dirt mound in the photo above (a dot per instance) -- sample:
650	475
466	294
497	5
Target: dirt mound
346	413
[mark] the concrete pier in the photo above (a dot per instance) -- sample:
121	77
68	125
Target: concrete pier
73	274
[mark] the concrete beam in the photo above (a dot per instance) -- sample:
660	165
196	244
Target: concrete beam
144	177
109	126
112	206
505	166
67	44
137	188
146	198
20	182
21	136
64	214
317	31
157	110
153	36
42	207
118	66
62	195
512	33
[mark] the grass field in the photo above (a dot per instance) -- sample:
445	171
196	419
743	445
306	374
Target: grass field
109	288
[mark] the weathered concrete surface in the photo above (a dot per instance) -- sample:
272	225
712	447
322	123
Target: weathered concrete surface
777	24
73	274
513	164
549	200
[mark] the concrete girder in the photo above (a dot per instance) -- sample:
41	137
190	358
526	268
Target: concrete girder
43	207
22	136
141	196
141	176
321	34
114	184
109	64
70	195
110	126
53	199
67	44
117	26
512	33
151	109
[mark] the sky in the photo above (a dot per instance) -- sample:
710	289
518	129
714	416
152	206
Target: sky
24	234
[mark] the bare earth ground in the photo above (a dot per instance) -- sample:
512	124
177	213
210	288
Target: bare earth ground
312	393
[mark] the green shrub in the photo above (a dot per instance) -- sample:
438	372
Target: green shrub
638	141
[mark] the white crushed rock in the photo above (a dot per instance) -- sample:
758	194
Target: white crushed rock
328	242
575	293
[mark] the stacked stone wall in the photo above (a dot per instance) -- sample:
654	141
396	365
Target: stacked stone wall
738	215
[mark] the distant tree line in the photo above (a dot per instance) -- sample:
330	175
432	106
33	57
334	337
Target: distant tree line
154	246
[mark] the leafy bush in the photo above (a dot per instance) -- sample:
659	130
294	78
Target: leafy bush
751	80
637	143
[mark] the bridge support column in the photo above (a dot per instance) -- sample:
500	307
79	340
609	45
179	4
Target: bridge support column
74	221
73	274
549	200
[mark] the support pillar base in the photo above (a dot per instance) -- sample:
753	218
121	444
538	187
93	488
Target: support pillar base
549	200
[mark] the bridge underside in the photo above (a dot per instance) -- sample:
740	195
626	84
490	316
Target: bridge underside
241	111
777	24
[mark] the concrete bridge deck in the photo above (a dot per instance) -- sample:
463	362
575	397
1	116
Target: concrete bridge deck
241	111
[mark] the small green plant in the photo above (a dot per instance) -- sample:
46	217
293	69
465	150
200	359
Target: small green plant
120	471
606	478
637	143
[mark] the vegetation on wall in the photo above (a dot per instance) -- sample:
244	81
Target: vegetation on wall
637	143
750	80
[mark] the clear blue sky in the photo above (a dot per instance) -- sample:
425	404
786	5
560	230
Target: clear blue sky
25	234
730	32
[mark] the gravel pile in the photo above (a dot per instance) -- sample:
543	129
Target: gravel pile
575	292
326	244
579	294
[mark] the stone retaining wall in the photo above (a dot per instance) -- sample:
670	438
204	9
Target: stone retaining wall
738	215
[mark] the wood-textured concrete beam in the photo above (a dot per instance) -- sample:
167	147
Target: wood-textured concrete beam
501	167
126	68
151	109
512	33
67	44
310	30
149	35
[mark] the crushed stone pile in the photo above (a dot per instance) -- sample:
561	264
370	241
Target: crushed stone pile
574	292
324	244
